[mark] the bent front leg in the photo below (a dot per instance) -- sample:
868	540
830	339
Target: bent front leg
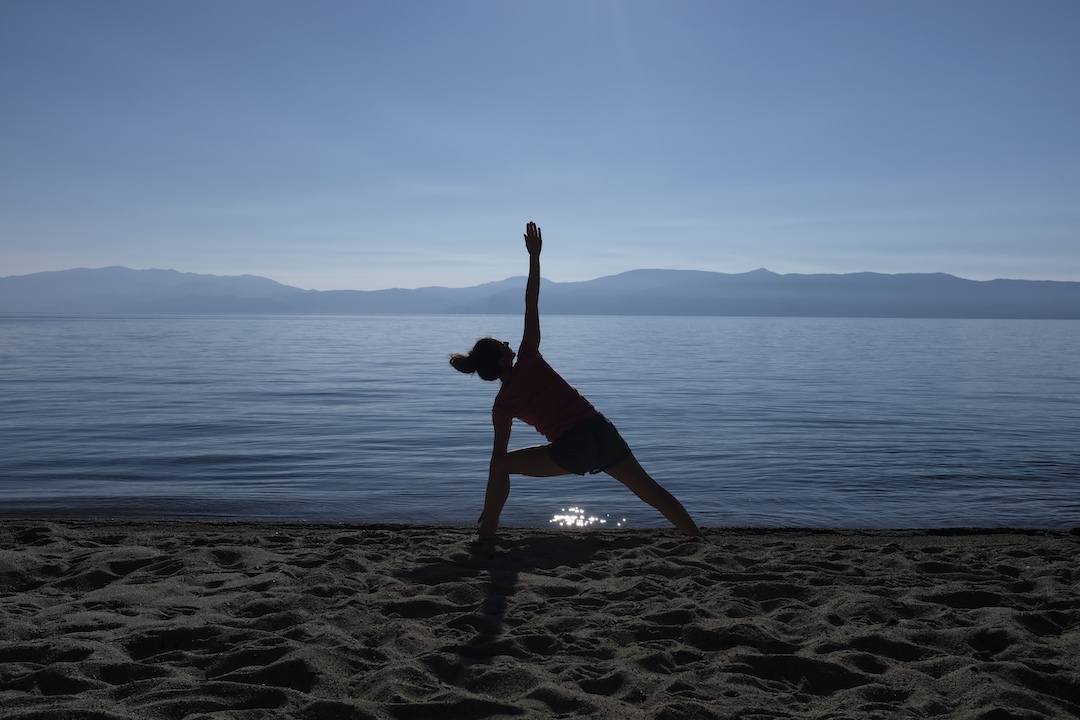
533	462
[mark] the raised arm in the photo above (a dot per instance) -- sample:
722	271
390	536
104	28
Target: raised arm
533	243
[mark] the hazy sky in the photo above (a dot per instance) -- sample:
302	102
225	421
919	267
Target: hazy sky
369	145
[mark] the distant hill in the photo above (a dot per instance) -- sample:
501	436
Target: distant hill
638	292
120	290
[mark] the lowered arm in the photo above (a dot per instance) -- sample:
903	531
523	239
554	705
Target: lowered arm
498	486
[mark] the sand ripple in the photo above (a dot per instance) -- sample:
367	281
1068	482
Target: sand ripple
324	622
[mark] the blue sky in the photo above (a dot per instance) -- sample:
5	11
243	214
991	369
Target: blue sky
368	145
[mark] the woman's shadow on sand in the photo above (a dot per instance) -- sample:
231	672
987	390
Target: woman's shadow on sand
503	561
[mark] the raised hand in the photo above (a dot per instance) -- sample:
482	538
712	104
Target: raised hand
533	241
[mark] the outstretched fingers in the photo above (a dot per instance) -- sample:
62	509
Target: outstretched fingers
533	238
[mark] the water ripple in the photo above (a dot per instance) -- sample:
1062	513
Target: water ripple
749	421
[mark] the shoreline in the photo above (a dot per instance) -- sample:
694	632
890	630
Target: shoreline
77	520
250	619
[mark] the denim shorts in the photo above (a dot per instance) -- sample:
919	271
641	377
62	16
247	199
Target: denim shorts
591	446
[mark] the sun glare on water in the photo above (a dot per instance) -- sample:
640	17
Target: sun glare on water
576	517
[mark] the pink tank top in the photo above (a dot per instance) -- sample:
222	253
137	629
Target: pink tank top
539	396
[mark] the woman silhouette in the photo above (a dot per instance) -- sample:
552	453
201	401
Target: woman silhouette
581	440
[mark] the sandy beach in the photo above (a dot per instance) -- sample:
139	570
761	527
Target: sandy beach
325	622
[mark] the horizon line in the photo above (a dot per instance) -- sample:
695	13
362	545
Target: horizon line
513	277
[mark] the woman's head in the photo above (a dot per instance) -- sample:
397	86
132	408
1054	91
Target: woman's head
489	358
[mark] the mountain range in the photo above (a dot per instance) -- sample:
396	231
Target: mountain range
638	292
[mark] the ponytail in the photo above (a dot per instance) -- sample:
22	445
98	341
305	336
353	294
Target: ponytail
463	363
484	359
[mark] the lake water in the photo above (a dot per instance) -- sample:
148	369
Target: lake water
749	421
